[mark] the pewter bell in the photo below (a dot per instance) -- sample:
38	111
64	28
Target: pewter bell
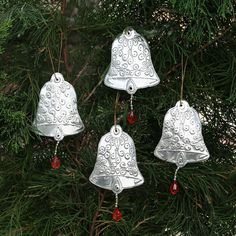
57	115
182	140
116	167
131	66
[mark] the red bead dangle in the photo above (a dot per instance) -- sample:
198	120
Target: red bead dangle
116	215
174	188
56	162
131	117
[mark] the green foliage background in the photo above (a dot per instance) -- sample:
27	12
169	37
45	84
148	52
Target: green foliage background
36	200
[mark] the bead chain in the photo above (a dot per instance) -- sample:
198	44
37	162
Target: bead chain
116	204
176	173
55	152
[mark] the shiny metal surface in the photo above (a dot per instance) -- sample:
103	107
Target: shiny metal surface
182	141
57	115
116	167
131	66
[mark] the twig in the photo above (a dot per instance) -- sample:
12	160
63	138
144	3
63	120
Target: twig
63	7
97	85
9	88
101	196
80	73
65	46
94	89
173	69
142	222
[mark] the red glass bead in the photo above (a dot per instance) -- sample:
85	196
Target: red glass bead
132	117
56	163
116	216
174	188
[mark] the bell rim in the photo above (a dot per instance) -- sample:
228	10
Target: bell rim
206	156
39	132
155	81
123	188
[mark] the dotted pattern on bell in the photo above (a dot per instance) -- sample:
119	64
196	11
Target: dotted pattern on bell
116	167
182	141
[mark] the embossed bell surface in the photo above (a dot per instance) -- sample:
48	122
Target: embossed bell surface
131	66
182	140
57	115
116	168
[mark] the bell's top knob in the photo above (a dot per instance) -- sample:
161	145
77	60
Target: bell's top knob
57	115
129	32
131	66
57	78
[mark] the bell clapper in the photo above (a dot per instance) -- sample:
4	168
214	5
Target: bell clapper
56	163
174	187
131	117
116	215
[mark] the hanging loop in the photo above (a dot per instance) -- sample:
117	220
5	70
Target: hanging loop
115	111
184	65
59	55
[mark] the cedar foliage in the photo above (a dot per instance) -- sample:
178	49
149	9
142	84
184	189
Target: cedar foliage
36	200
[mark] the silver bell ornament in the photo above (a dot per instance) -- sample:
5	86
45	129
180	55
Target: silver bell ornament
131	66
181	141
57	115
116	168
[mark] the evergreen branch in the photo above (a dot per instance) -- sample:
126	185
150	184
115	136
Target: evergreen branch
142	222
68	204
80	73
93	90
199	50
97	85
